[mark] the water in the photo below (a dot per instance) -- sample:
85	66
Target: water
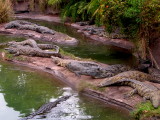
23	90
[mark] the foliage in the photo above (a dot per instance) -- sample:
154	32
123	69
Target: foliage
150	23
145	110
75	9
32	5
5	10
43	5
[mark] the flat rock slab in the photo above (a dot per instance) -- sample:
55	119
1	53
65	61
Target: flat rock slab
57	38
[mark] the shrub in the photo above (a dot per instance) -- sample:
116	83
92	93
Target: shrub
5	10
145	110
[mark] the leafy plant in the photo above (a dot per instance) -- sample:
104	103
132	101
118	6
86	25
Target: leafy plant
57	4
76	10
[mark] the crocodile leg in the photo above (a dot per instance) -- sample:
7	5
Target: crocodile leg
77	73
129	94
17	54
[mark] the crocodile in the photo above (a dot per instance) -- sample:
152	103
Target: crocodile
24	25
83	68
33	43
147	91
46	107
137	75
83	23
60	62
29	51
77	67
90	68
154	72
30	42
111	70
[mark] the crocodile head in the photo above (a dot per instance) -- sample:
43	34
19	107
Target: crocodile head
101	73
155	99
11	50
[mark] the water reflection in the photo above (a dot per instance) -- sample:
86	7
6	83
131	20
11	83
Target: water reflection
7	112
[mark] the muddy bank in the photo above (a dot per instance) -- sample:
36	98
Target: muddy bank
85	84
57	38
121	43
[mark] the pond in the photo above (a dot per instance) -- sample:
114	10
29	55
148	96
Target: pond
23	90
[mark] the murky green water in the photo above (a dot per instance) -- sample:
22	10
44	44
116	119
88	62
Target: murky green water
23	90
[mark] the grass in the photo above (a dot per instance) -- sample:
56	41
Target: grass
145	110
5	11
64	53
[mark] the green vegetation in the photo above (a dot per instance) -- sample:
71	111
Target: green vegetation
138	19
145	110
5	11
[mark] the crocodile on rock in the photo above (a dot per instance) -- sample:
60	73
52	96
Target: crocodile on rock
29	51
137	75
33	43
31	48
46	107
147	91
111	70
78	67
90	68
24	25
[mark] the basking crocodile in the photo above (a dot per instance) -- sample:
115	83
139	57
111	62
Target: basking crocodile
90	68
33	43
46	107
111	70
83	68
137	75
60	62
30	42
24	25
29	51
147	91
78	67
